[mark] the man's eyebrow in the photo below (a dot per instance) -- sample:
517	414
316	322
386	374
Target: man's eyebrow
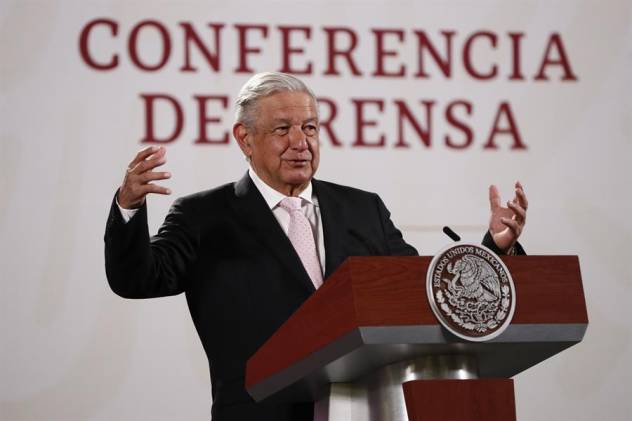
280	120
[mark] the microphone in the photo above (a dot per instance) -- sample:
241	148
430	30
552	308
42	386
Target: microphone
453	235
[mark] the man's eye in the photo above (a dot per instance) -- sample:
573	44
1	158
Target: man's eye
281	130
310	129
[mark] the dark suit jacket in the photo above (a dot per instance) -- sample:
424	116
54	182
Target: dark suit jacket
241	276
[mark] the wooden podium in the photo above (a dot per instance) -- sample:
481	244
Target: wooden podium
366	346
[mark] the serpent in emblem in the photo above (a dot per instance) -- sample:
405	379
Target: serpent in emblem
477	279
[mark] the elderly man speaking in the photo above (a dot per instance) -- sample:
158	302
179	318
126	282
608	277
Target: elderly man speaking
248	254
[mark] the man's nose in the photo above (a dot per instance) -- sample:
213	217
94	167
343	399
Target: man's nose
298	139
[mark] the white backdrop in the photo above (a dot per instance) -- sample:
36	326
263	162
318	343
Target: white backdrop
72	350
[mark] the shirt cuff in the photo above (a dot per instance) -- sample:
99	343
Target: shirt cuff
126	214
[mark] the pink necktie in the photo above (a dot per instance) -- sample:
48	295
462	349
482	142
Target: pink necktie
302	238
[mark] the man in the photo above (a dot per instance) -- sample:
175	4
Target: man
247	254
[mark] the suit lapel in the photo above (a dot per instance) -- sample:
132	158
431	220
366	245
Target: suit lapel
257	216
330	214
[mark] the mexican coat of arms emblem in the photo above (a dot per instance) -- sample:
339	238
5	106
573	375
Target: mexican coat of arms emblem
471	291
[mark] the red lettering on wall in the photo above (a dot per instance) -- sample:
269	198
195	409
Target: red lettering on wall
444	63
467	55
404	113
362	122
555	42
84	49
333	50
381	53
326	124
165	43
244	49
516	73
191	37
204	120
450	116
150	101
510	129
288	50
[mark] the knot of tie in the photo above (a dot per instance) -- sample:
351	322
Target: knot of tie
291	204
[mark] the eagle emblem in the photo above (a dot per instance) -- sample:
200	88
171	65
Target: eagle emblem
471	291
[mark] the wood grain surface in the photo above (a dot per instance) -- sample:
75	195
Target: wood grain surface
391	291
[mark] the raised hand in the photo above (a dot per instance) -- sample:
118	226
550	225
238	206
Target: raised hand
139	176
506	224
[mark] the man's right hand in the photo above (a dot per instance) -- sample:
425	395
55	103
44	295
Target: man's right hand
137	182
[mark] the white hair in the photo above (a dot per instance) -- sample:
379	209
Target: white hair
262	85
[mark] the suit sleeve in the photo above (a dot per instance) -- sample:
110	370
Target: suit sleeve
393	237
138	266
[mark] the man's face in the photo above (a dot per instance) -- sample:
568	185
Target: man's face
283	147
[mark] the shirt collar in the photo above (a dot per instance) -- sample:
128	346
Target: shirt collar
273	197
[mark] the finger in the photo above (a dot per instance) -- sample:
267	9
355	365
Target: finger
513	225
154	188
143	154
156	154
149	164
521	213
494	197
148	176
161	151
521	196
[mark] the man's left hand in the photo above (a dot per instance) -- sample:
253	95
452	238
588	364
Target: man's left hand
506	224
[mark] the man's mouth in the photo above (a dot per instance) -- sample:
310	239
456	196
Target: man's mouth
298	162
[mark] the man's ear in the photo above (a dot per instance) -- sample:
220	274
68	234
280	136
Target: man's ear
243	138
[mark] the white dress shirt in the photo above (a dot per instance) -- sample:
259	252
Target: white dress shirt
272	198
309	206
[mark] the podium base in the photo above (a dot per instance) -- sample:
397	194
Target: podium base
460	400
380	396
